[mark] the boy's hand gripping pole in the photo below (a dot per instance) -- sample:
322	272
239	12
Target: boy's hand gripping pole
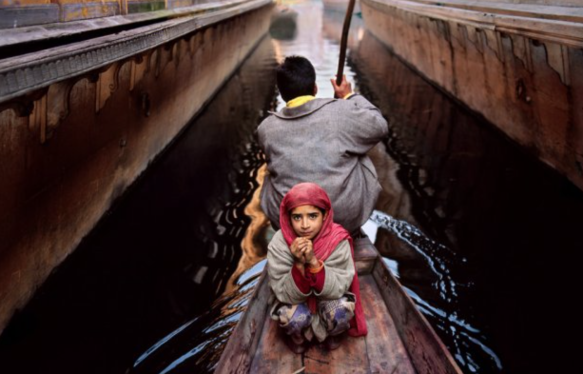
344	41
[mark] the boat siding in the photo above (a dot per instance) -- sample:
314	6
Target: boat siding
21	13
79	123
518	65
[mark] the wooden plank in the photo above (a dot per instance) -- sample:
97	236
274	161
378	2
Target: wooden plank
365	255
26	73
555	11
426	350
563	32
350	357
25	34
18	16
90	9
386	352
273	356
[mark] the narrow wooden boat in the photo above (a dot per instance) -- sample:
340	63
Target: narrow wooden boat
400	340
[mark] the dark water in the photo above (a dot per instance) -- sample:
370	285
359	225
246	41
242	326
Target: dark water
484	237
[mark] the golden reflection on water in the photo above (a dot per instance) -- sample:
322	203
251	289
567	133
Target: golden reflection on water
279	56
253	245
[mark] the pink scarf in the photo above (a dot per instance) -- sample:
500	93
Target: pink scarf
330	235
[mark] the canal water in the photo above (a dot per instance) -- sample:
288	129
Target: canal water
483	237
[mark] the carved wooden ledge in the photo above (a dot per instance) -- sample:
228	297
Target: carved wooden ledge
27	74
563	25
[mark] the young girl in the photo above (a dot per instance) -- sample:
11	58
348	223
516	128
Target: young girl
311	272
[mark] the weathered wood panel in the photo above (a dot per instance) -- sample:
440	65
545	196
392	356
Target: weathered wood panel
538	2
24	13
22	75
385	350
273	356
349	357
18	16
253	333
71	148
427	352
365	255
517	65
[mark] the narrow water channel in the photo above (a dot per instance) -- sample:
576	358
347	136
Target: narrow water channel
482	235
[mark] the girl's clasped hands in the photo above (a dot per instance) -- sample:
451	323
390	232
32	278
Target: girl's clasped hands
303	251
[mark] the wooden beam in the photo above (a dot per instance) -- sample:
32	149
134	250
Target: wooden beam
23	74
561	29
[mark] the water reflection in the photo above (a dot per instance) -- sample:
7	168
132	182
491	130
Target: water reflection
196	346
333	22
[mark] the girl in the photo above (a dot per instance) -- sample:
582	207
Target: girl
311	272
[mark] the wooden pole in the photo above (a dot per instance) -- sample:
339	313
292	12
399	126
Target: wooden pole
344	41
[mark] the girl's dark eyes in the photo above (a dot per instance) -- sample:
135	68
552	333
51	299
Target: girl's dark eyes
311	216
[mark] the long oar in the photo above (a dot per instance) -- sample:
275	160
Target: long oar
344	41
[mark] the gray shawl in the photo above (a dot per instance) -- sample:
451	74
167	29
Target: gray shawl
324	141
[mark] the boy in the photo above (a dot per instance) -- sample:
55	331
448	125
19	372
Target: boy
324	141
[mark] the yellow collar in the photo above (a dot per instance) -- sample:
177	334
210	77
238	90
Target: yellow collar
300	100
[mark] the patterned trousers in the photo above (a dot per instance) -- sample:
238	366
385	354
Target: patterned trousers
334	316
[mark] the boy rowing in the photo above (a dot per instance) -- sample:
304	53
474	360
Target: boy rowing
324	141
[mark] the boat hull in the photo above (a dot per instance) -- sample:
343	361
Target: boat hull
518	65
400	340
72	144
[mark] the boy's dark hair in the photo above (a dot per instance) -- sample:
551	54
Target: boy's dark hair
295	77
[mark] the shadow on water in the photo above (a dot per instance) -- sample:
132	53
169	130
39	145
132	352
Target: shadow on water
283	23
165	253
485	236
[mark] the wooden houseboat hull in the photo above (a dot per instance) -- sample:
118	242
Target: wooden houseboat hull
80	122
518	65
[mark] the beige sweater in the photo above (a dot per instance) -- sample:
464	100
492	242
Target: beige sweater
339	268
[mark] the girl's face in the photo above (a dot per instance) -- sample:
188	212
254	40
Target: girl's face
307	221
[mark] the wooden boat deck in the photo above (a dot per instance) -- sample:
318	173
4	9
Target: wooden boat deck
381	351
399	338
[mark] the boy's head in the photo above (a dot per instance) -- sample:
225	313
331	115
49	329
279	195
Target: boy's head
296	77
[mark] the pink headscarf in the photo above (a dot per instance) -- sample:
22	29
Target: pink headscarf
330	235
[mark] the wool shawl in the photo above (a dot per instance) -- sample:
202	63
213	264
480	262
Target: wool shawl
330	235
324	141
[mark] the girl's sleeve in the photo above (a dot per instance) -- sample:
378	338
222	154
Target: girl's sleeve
338	272
279	269
307	281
